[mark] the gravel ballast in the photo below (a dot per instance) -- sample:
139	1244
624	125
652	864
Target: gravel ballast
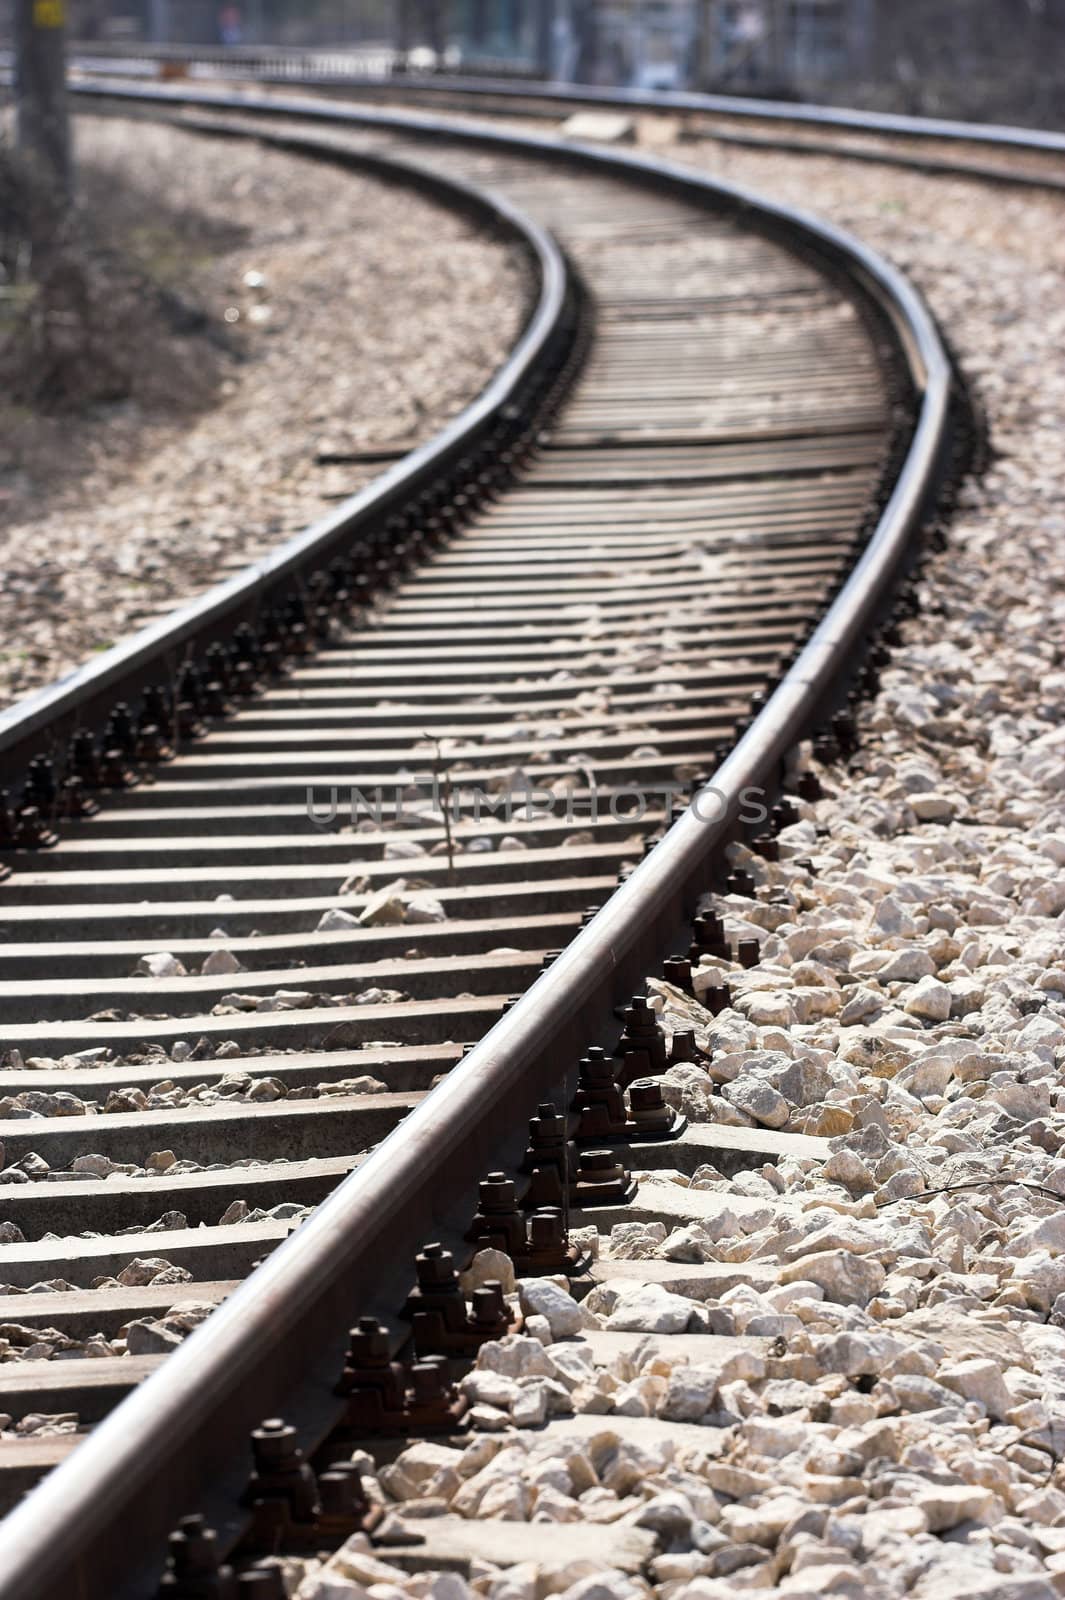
892	1420
330	313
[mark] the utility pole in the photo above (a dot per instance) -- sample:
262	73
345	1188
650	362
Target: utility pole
586	28
432	13
42	121
401	14
545	38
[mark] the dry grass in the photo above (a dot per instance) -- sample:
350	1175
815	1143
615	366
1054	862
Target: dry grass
93	304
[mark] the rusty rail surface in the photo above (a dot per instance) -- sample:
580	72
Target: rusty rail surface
96	1526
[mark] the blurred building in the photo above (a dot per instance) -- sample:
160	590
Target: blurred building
747	44
645	43
1001	59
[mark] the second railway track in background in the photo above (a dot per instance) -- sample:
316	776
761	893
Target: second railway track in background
728	424
951	148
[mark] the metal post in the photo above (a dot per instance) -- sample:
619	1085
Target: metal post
402	16
586	27
159	21
780	62
42	122
545	38
433	13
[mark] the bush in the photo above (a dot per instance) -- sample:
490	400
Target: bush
59	315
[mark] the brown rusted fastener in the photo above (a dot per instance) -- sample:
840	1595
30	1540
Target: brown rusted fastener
599	1102
748	952
247	660
498	1221
82	759
708	938
115	772
121	730
299	641
603	1180
154	726
74	802
717	997
433	1404
189	723
21	828
845	731
651	1117
215	700
193	1568
41	789
677	970
642	1046
282	1491
343	1507
550	1158
682	1047
372	1383
218	665
549	1249
539	1244
31	832
765	845
437	1307
740	882
289	1507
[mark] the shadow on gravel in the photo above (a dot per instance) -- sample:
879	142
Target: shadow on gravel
100	322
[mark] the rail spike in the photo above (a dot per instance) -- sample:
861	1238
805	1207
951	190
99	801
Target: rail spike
194	1570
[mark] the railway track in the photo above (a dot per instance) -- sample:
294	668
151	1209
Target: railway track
645	566
950	148
1025	157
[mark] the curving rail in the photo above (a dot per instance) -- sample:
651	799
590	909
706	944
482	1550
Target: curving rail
95	1526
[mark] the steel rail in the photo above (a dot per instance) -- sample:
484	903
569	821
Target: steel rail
81	695
852	119
999	135
791	134
87	1530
